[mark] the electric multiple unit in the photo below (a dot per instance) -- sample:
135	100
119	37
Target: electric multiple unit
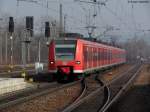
72	58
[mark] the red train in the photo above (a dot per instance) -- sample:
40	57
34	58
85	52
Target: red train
72	58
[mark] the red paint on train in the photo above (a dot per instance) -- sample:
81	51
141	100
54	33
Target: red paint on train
78	56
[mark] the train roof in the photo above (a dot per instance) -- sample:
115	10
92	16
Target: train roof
77	36
71	35
104	44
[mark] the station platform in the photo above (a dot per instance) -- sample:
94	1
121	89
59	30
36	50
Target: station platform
9	85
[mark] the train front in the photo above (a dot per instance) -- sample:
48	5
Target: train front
62	58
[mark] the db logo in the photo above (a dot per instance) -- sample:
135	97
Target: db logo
64	63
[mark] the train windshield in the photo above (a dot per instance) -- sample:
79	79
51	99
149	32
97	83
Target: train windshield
65	49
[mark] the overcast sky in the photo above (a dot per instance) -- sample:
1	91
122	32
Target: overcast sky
116	13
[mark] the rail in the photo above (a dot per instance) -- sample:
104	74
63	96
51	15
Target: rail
40	91
122	90
105	91
82	99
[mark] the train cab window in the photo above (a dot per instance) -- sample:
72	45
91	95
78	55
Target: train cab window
65	49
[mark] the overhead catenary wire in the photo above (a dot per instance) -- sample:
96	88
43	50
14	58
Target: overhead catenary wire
90	18
133	18
56	11
119	18
122	22
114	13
75	19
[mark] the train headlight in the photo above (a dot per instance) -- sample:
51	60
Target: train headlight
78	62
51	62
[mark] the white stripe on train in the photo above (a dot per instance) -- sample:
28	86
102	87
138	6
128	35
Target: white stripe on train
90	69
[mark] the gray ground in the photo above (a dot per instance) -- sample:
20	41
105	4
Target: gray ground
136	99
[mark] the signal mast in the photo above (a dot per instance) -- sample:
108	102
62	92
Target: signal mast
91	27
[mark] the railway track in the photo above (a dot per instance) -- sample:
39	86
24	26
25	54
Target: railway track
103	97
78	96
93	84
19	96
124	83
67	90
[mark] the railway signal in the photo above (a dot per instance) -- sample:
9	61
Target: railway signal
11	31
90	26
11	25
47	29
29	25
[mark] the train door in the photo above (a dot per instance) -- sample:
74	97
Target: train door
96	60
99	58
85	51
120	56
102	56
110	57
90	57
115	56
105	57
94	57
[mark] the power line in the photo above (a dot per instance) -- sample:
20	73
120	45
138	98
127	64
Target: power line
51	9
119	18
93	2
113	13
89	25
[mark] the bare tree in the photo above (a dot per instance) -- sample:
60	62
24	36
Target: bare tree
137	49
114	40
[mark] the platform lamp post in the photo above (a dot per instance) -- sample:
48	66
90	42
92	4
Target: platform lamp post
11	31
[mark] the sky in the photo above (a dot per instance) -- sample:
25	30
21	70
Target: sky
118	14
